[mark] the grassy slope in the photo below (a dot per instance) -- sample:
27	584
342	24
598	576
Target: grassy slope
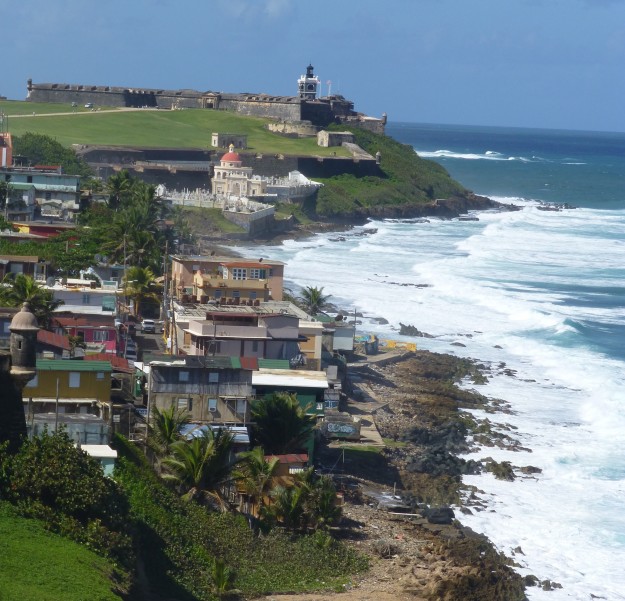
408	179
154	128
36	564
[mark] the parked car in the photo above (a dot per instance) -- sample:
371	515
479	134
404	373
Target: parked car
148	326
89	105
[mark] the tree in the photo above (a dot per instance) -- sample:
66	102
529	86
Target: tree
118	187
255	475
140	285
308	503
281	425
164	429
44	150
18	289
313	299
201	467
74	343
50	478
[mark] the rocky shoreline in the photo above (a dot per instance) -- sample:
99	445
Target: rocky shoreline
400	497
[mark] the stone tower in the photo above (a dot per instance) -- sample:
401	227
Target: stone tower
307	85
16	369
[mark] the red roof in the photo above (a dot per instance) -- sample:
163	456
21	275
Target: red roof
231	157
290	458
249	363
57	340
117	363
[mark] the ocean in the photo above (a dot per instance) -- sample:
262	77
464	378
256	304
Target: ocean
537	296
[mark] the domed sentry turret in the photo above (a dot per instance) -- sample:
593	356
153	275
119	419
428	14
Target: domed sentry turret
24	330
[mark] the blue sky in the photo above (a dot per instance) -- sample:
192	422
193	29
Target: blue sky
527	63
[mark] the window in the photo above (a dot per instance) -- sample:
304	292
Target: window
239	273
258	274
48	195
213	377
99	375
241	406
253	295
86	298
270	272
74	379
29	179
184	403
6	326
236	294
212	405
255	346
100	335
183	376
217	294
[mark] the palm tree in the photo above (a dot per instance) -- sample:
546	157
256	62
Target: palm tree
201	467
255	475
118	188
313	299
287	507
139	284
281	425
321	509
19	289
164	429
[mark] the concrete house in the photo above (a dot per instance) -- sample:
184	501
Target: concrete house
225	277
244	332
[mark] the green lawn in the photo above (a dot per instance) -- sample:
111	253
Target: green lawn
35	564
190	128
20	107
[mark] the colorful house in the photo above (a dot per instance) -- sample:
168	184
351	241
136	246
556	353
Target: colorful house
225	277
69	386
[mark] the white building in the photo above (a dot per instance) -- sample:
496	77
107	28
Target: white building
231	178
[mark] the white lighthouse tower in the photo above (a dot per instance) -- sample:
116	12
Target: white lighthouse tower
307	85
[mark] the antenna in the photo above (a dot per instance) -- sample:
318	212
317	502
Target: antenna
329	82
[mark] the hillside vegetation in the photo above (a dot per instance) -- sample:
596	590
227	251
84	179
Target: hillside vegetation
37	564
407	180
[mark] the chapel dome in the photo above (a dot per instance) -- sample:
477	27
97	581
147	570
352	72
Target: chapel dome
24	320
231	156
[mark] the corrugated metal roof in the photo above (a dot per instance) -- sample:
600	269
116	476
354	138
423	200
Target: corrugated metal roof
294	378
57	340
72	365
249	363
117	363
290	458
274	364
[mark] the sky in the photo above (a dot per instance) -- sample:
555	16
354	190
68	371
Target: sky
557	64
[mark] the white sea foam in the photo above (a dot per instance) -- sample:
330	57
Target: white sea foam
489	155
507	287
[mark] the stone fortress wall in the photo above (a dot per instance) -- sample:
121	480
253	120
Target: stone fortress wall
319	112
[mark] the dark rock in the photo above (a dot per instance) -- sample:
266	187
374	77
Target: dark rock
410	330
438	515
530	469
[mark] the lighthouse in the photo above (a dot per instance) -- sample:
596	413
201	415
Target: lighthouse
307	85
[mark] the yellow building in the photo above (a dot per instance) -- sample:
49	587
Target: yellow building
80	386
